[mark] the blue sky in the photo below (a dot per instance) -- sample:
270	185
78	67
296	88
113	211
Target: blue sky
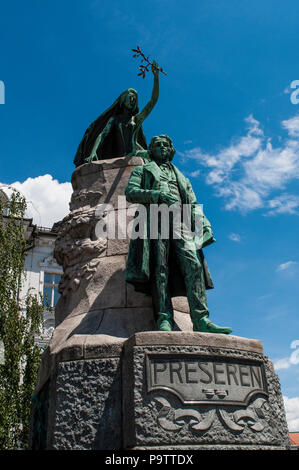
226	104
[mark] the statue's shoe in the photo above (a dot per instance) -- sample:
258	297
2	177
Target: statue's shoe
206	326
165	322
165	325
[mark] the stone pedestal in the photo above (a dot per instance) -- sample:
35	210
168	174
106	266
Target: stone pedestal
159	390
200	391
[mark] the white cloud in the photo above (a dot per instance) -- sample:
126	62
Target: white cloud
292	413
254	126
284	204
47	199
195	173
293	359
272	167
284	266
247	172
283	363
241	197
292	126
235	237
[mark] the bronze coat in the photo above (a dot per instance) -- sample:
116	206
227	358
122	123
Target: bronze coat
143	188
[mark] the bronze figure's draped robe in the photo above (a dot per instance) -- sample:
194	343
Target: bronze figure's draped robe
119	128
118	131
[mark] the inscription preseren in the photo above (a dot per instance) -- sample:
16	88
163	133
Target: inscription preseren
198	379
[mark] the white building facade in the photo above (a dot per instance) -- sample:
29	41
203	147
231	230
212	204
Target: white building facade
42	275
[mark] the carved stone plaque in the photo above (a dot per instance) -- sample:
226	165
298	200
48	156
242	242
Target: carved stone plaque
196	379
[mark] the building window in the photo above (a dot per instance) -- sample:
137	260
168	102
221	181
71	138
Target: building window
50	292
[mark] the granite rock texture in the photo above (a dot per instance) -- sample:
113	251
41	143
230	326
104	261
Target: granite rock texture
88	405
100	397
159	418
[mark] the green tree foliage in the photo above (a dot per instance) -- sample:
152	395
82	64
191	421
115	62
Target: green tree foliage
19	325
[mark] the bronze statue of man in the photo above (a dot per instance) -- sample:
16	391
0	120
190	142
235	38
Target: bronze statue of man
169	266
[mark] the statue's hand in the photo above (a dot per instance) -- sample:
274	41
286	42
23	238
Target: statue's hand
207	237
168	199
155	68
92	156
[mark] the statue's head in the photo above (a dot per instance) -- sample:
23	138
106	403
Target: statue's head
161	149
129	101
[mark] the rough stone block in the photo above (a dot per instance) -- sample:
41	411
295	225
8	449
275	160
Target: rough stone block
176	394
86	409
177	390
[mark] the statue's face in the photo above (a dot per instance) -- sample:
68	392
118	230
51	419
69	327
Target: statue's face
130	100
161	150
